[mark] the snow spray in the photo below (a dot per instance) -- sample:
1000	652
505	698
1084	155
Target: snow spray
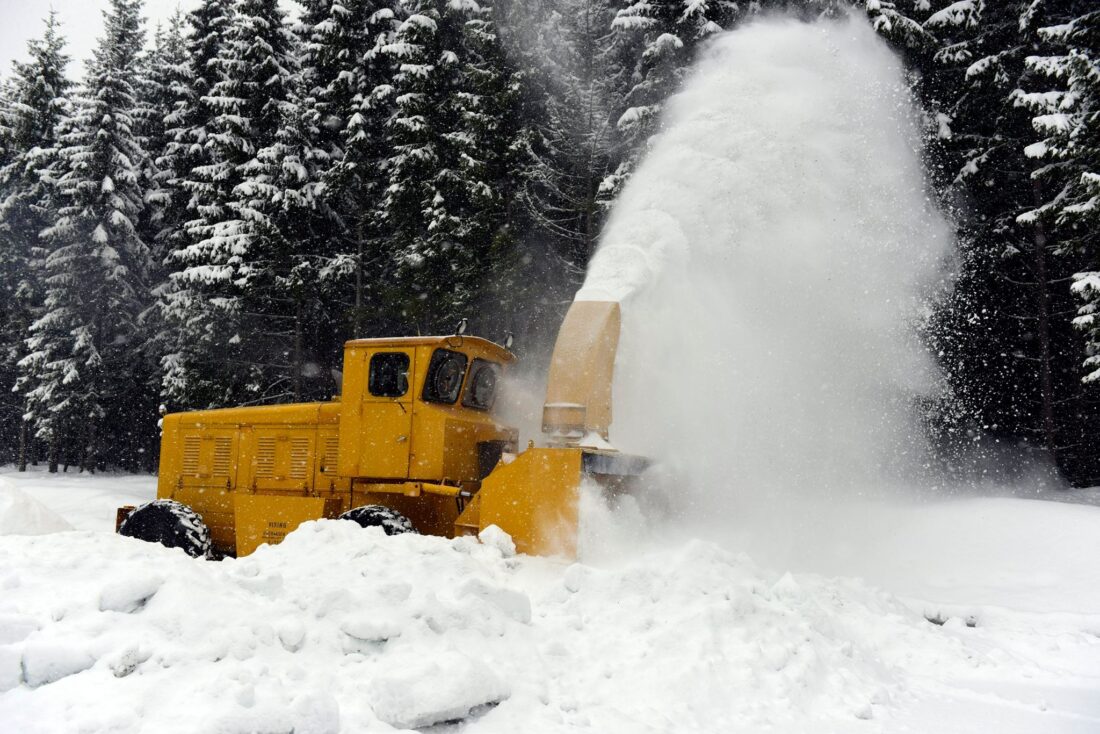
773	253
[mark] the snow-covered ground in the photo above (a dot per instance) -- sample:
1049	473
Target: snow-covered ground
340	629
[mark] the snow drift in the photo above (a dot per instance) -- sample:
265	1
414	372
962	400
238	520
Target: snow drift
21	514
341	629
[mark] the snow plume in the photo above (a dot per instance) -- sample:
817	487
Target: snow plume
774	253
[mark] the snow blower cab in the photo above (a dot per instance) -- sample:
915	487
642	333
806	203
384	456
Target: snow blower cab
412	443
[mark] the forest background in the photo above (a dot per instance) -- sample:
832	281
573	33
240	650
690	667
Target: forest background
223	199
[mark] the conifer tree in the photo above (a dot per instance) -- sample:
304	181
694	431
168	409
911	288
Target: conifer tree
36	102
80	374
440	207
1068	119
667	32
183	315
1009	359
348	100
584	86
164	86
238	285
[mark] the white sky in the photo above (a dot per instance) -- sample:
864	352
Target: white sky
21	20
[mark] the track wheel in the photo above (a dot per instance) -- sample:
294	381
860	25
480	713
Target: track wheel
377	516
170	523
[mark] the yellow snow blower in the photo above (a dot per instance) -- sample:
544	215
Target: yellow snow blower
411	444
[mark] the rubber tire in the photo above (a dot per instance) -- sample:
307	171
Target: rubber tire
392	522
170	523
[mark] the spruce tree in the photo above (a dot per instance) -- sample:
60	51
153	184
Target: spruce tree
584	86
240	280
348	100
440	207
183	315
1068	119
36	103
165	82
667	34
1009	356
80	374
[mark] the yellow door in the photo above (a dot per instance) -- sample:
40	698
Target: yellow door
385	425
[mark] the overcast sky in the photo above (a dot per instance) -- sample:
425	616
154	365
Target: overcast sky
21	20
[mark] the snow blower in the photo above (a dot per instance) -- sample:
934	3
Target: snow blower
411	444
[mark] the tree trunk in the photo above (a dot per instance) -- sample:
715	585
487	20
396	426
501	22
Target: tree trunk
297	382
85	448
53	450
1042	304
22	445
357	320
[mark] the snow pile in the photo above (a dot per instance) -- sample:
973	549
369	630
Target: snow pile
340	629
773	252
21	514
335	625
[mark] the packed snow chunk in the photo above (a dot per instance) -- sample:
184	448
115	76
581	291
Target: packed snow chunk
445	688
494	537
129	594
11	667
515	604
316	713
291	633
127	661
372	629
21	514
47	662
15	628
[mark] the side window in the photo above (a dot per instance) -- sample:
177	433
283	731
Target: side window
445	373
389	374
481	388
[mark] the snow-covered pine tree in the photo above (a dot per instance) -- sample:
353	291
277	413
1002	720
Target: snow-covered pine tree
238	288
505	121
35	104
667	34
185	80
1068	119
164	86
184	315
440	207
584	84
1010	356
81	376
348	101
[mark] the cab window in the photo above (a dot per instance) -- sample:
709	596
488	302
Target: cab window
445	373
481	388
389	374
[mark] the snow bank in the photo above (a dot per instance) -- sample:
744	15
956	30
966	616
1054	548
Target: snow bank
86	501
341	629
21	514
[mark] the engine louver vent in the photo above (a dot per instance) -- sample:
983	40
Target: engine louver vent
299	458
223	456
332	454
265	456
191	446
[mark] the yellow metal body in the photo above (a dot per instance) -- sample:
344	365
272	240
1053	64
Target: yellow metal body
578	391
255	473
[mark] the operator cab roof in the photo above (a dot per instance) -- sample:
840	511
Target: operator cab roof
455	341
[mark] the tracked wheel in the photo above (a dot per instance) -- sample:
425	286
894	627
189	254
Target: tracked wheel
170	523
392	522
